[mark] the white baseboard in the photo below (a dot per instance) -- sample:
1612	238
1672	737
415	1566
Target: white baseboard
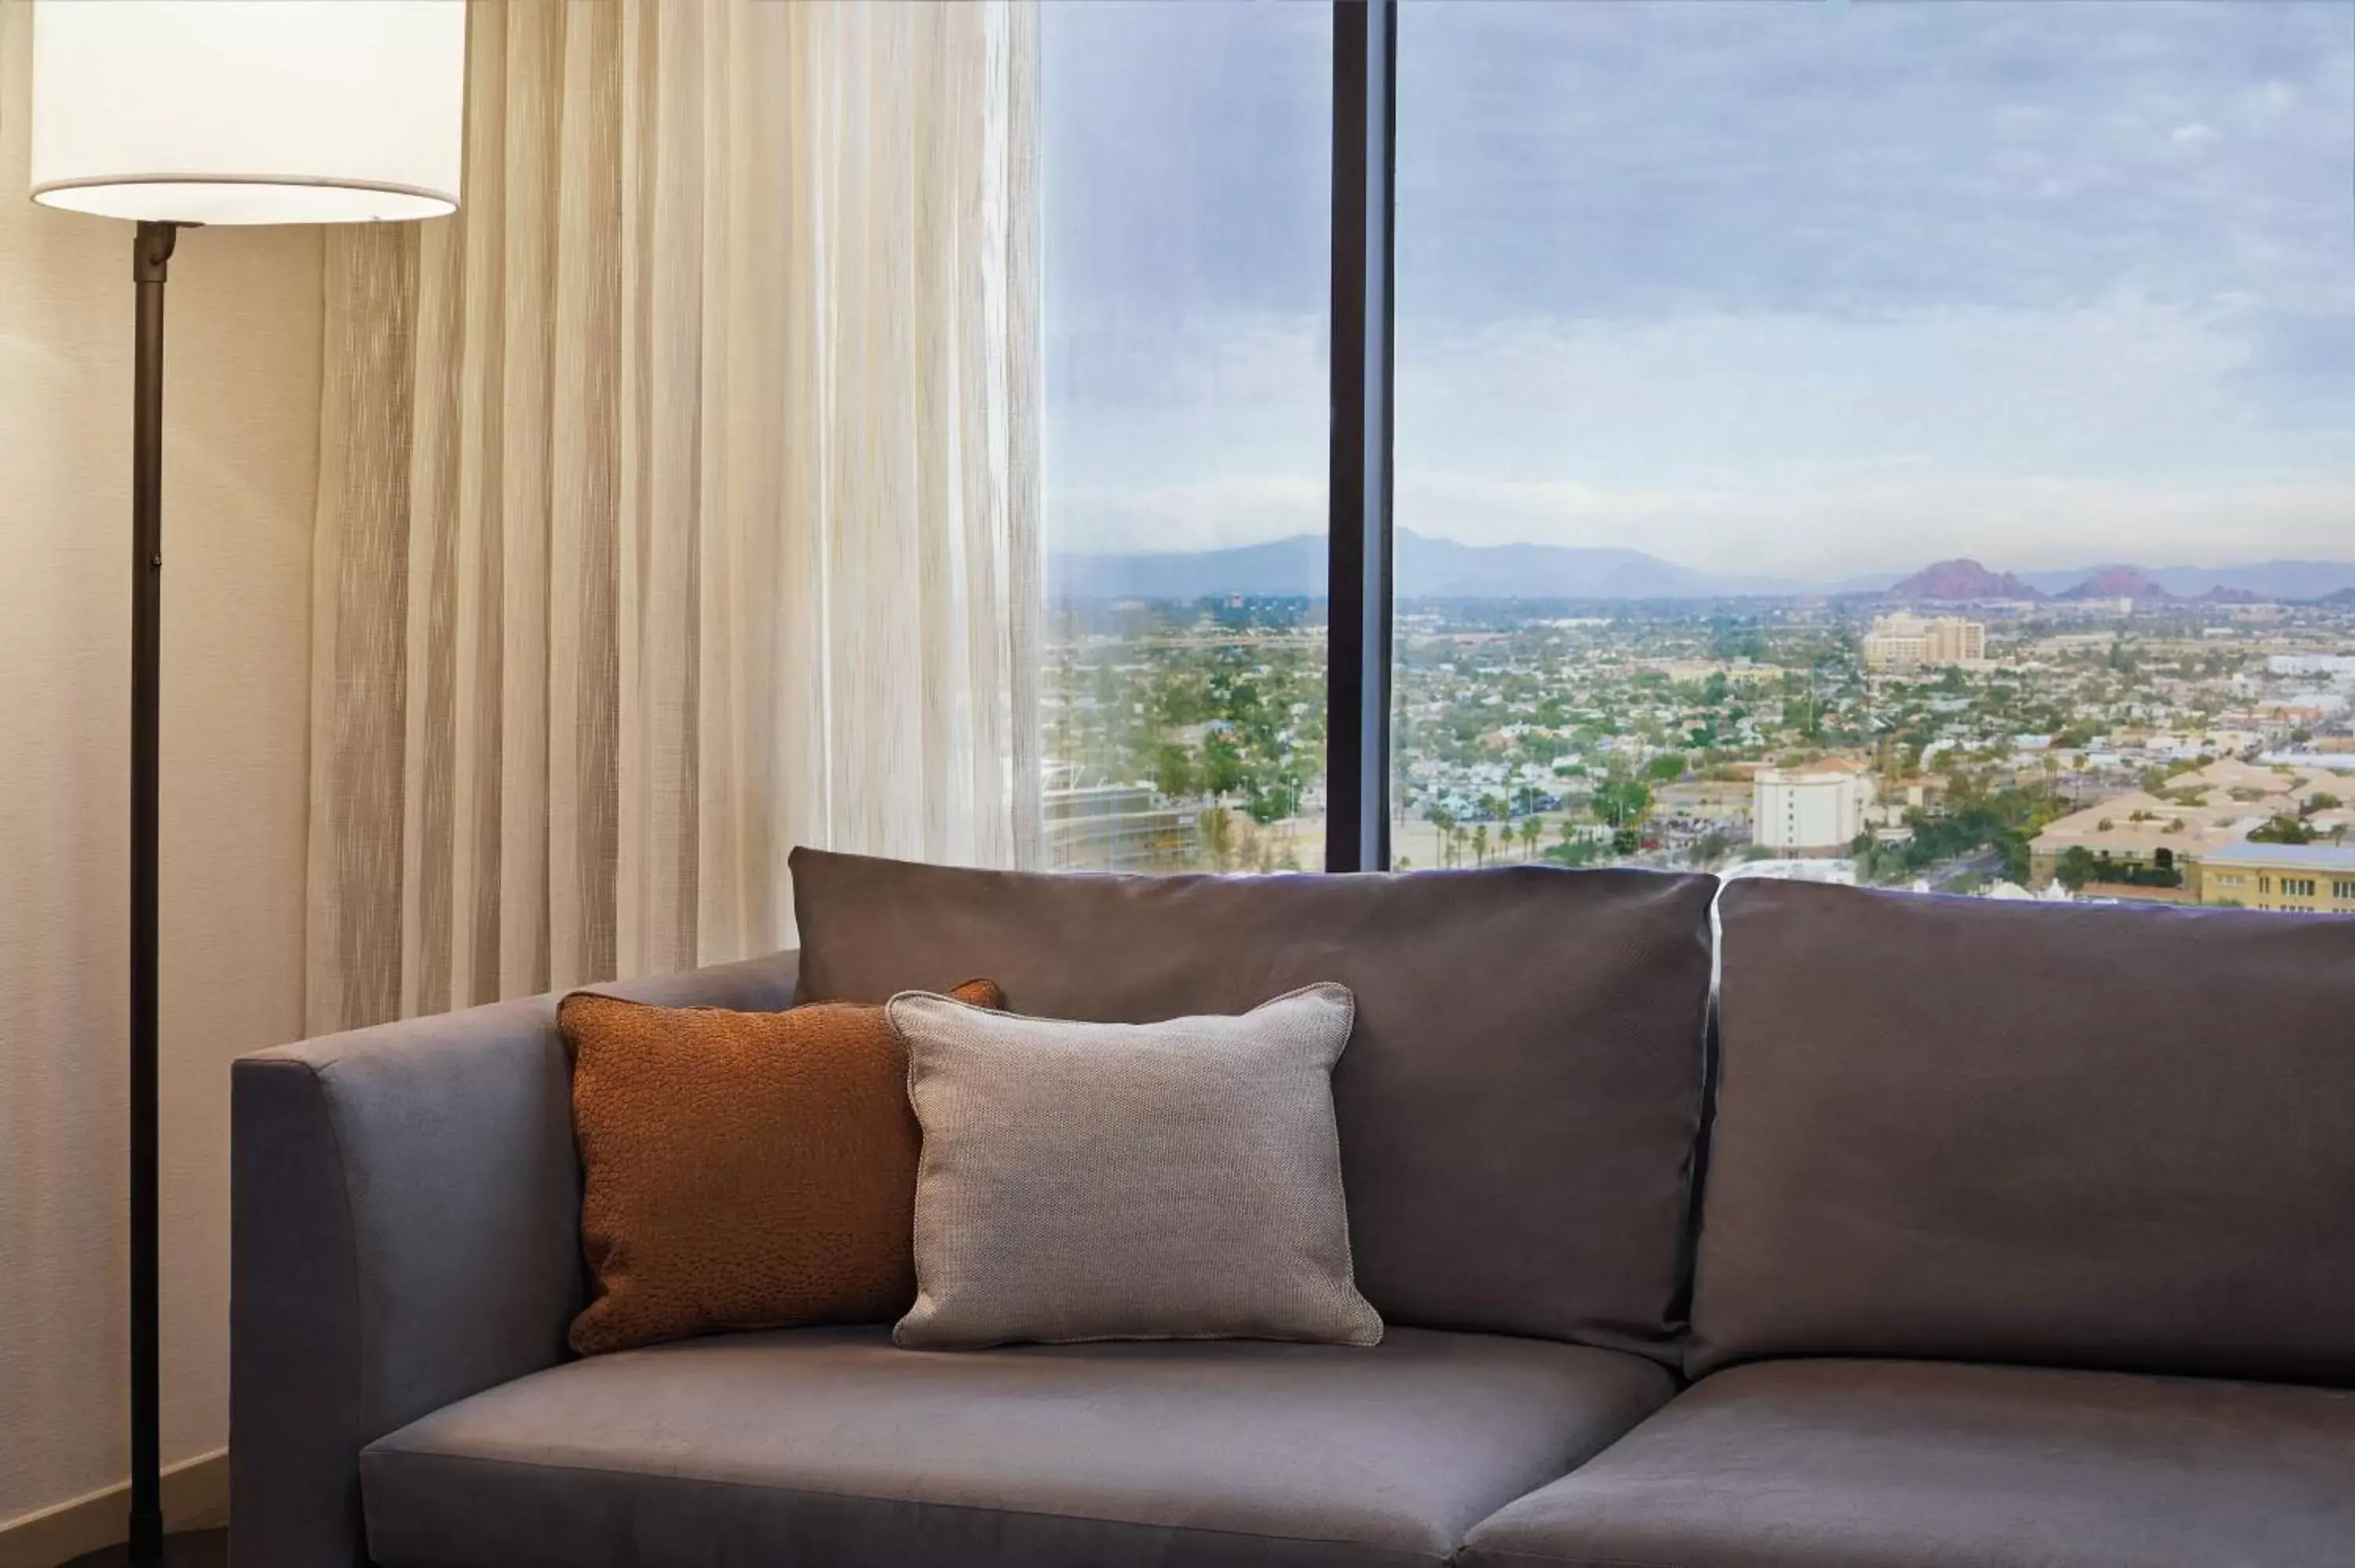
195	1497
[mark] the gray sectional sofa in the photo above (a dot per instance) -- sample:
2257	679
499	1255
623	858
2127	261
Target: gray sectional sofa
1970	1236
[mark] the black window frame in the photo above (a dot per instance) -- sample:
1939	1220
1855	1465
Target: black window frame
1358	595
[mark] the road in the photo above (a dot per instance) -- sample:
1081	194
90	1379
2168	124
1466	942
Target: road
1988	863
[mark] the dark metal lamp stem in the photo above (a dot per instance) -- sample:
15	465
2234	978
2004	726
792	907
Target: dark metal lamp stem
151	255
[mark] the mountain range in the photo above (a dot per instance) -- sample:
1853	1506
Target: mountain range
1431	568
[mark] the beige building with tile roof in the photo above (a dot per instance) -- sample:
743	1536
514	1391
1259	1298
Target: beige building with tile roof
2200	812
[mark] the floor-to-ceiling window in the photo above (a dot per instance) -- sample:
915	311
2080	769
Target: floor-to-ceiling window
1900	442
1912	443
1187	155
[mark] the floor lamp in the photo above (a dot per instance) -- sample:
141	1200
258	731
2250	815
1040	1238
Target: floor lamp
217	112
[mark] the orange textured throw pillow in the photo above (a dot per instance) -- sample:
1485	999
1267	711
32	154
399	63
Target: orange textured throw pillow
741	1169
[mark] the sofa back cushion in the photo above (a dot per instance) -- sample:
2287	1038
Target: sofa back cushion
1519	1101
2088	1136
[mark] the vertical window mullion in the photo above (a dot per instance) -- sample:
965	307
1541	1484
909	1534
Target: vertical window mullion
1358	649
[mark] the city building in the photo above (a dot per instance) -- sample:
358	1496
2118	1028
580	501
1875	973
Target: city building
1118	827
1909	641
2318	879
1817	808
2159	840
1725	805
2336	665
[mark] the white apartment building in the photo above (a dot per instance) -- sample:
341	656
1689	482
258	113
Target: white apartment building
1909	641
2339	666
1815	809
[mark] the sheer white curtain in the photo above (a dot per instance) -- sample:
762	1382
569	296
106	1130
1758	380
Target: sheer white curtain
678	499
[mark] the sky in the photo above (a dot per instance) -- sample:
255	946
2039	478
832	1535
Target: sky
1802	287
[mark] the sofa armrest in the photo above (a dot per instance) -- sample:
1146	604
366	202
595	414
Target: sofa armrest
405	1232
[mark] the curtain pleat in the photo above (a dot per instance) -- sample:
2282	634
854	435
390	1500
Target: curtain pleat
679	497
359	601
584	466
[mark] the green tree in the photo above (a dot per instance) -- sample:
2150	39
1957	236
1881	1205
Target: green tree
1223	766
1622	802
1173	772
2285	829
2076	867
1480	845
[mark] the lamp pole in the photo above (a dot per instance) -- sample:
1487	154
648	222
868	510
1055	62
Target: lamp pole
151	256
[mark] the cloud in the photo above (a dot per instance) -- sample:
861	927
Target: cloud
1189	356
1234	509
1768	397
1770	288
1898	521
1639	160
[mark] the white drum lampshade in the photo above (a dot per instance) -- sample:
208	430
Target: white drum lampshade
249	111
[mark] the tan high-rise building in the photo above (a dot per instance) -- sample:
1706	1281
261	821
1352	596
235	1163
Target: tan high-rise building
1908	641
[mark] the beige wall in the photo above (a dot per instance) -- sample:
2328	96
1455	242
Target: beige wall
240	458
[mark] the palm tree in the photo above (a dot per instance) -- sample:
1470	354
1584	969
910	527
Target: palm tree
1480	844
1533	830
1442	818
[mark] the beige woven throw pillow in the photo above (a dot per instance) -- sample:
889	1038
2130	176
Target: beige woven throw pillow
1129	1181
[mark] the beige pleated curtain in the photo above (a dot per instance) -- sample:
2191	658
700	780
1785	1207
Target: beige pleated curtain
679	498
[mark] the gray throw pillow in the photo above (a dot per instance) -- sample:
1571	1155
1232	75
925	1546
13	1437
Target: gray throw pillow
1178	1180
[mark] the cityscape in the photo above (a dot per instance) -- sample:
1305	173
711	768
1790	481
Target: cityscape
1962	731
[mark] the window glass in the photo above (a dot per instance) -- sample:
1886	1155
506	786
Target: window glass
1906	444
1188	170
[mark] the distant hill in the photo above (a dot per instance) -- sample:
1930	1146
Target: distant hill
1441	569
1431	568
2119	582
1282	568
1427	568
2266	582
1961	579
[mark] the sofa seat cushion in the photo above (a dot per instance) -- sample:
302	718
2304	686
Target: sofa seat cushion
828	1446
1840	1464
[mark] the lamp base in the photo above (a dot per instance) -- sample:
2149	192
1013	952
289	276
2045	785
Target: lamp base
183	1549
